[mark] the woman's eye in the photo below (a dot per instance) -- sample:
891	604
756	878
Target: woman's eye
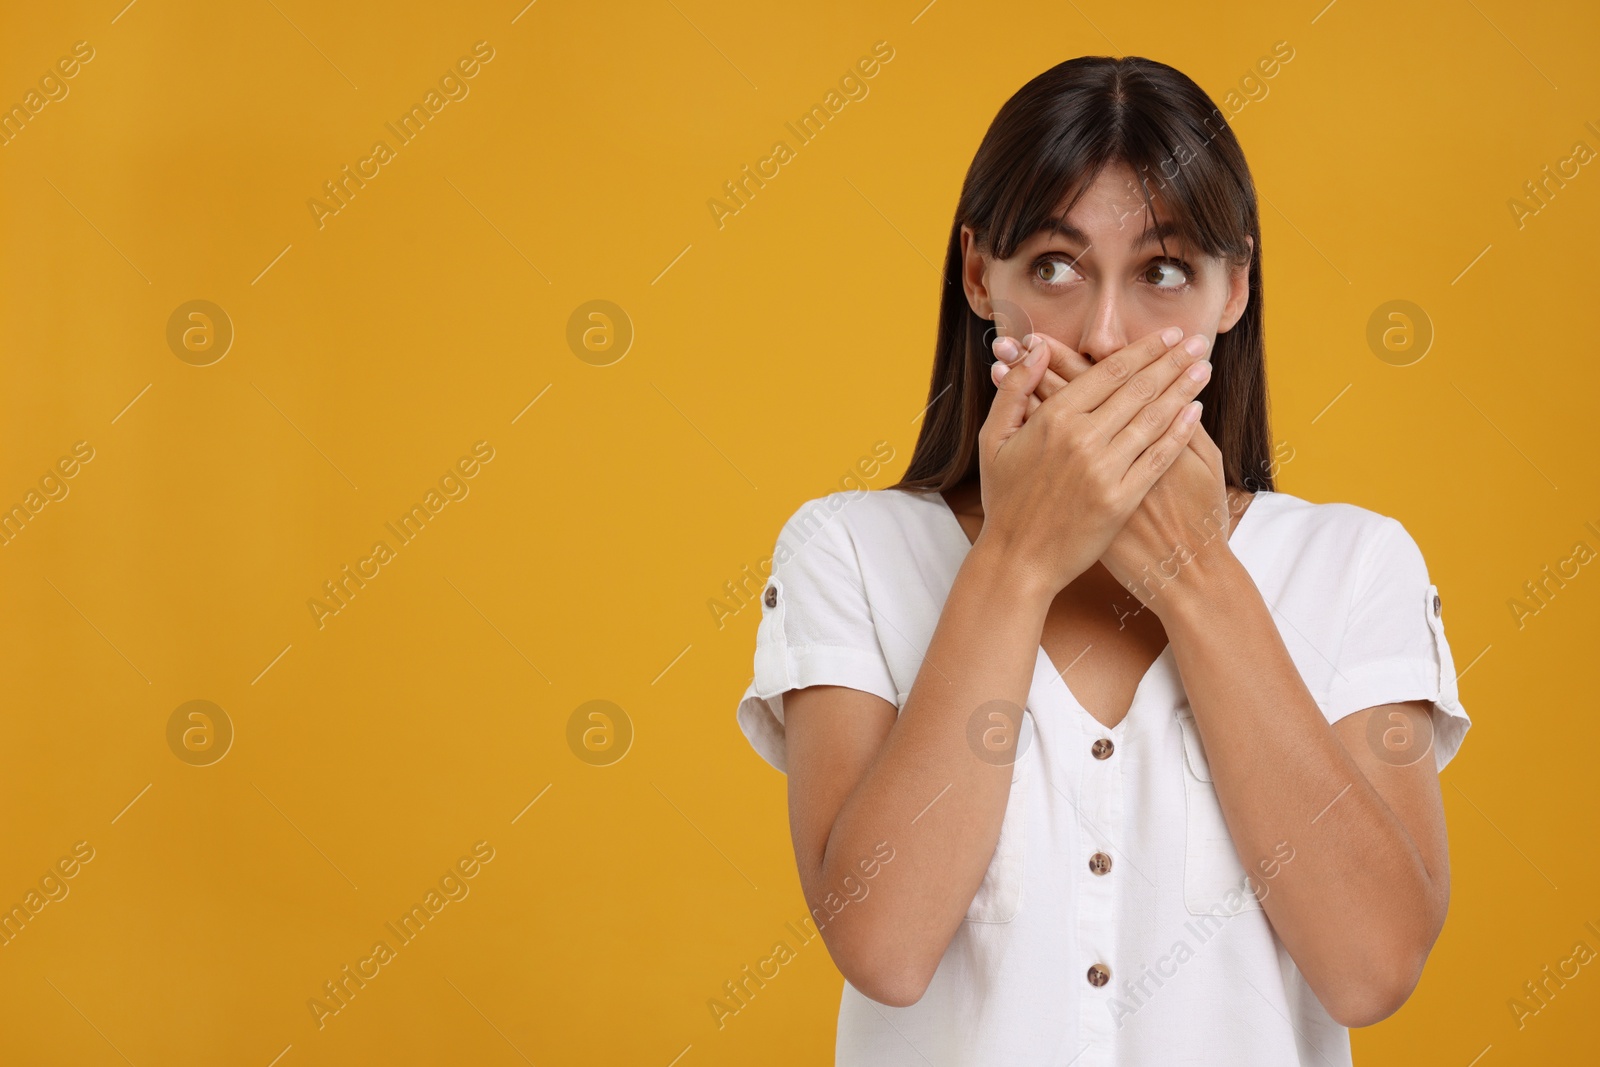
1053	271
1177	272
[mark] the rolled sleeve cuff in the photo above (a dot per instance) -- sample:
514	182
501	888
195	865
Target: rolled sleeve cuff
1392	681
781	668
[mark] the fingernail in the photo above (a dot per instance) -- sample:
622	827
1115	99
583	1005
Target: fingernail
1005	349
1196	345
1033	356
1000	371
1029	340
1171	335
1191	412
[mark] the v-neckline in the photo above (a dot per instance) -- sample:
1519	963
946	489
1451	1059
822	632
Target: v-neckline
1042	660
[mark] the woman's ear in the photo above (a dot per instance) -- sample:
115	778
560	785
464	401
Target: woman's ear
1238	291
974	264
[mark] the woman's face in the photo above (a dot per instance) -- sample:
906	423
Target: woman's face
1097	282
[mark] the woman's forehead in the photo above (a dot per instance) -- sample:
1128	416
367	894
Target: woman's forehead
1115	192
1107	217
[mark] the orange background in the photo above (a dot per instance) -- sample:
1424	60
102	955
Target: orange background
747	367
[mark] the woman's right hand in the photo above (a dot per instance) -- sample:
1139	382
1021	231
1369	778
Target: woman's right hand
1059	482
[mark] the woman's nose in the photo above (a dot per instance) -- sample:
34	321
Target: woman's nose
1103	333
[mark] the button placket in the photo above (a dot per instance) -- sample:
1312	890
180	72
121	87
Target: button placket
1100	815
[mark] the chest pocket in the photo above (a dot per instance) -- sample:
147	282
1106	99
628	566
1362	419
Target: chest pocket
1214	881
999	896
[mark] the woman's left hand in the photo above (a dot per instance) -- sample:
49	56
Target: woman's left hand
1181	517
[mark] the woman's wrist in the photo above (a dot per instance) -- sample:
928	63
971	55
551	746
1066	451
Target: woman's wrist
996	566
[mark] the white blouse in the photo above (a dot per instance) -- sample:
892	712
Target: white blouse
1113	855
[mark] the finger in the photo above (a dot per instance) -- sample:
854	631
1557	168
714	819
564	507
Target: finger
1207	449
1066	363
1047	385
1152	418
998	370
1007	350
1202	445
1007	354
1163	452
1012	393
1203	442
1119	385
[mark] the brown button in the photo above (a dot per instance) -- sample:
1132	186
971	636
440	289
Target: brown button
1102	748
1436	603
1099	863
772	596
1099	974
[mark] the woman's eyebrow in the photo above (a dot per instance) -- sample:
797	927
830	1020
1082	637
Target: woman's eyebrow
1152	234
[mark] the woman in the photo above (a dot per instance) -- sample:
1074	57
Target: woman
1100	749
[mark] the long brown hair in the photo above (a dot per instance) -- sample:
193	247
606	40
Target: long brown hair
1053	138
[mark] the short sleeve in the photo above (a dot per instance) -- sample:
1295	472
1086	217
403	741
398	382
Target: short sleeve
816	625
1394	646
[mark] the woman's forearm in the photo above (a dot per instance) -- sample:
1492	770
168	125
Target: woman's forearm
1358	909
928	793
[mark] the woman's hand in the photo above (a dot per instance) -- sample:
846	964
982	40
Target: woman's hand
1179	518
1059	483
